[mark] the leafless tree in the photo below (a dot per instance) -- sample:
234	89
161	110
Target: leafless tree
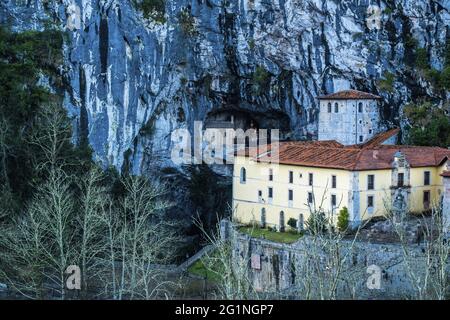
91	226
230	268
6	195
141	242
73	220
426	265
51	138
39	246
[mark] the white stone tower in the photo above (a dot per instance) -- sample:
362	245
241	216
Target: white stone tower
349	117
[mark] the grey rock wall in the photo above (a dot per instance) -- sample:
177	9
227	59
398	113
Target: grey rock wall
130	81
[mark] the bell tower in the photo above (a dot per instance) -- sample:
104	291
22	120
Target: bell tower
349	117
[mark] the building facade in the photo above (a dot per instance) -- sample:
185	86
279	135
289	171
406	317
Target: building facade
370	179
349	117
446	200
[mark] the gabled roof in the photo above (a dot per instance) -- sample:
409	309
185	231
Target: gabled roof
370	156
380	138
350	95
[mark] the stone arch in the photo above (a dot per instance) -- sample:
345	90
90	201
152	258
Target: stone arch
243	175
263	218
301	222
282	222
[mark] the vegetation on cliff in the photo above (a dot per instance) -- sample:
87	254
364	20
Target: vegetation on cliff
429	125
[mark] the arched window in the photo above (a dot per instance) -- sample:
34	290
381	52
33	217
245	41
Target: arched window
282	224
329	107
360	107
301	222
263	218
336	107
243	175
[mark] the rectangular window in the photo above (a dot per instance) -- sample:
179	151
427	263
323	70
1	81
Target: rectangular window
310	198
311	179
401	180
333	201
361	139
329	107
360	107
270	174
291	199
426	200
270	193
336	108
371	182
370	202
427	178
291	177
333	182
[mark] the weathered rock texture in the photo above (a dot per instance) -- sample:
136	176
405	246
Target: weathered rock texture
130	81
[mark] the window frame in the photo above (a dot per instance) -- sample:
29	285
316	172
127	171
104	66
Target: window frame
360	107
333	201
243	175
310	198
290	195
291	177
270	194
427	194
370	201
371	182
333	182
290	198
401	182
427	178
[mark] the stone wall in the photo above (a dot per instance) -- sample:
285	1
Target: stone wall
348	125
276	267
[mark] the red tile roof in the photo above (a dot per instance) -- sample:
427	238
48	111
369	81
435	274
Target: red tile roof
446	174
370	156
349	95
380	138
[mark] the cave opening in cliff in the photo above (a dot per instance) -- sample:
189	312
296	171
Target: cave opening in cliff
245	120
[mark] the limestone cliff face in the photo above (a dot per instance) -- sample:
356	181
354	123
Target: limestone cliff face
130	81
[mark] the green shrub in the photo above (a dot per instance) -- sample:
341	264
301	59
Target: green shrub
252	44
154	9
187	23
292	223
343	220
429	126
445	78
422	59
387	84
260	80
317	223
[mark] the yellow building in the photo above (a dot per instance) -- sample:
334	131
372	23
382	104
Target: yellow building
365	178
